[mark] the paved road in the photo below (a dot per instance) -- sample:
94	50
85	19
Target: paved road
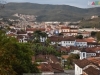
70	72
67	72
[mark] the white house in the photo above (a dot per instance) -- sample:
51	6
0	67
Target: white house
22	39
68	42
78	70
81	43
22	33
64	29
87	53
31	30
63	41
82	65
43	39
93	44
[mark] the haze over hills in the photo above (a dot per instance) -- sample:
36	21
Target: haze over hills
46	12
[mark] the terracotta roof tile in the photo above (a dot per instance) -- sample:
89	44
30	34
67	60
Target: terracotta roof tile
45	67
92	71
57	68
51	67
21	32
11	34
65	56
80	40
95	60
65	27
82	63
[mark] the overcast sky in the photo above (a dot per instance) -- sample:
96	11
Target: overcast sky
77	3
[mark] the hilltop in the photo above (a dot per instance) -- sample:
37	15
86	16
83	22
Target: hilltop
90	23
46	12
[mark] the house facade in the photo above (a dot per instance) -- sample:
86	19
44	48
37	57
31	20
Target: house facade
81	67
81	43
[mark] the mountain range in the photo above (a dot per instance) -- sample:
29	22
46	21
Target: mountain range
47	12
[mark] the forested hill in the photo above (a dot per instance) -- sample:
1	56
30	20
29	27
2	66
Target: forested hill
90	23
46	12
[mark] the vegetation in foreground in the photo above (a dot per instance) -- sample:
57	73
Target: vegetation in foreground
15	58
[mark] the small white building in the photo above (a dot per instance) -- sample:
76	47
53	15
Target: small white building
68	42
43	39
63	41
81	43
81	65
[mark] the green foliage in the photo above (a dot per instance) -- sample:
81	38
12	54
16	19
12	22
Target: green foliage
70	59
15	58
93	34
24	55
37	34
39	60
6	55
98	36
47	42
60	34
44	49
79	37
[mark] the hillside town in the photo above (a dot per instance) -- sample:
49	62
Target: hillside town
66	39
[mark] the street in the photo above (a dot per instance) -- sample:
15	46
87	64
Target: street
70	72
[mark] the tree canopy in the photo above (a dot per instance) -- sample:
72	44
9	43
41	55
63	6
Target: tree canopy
15	58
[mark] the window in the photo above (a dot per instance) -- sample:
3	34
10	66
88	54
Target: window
83	54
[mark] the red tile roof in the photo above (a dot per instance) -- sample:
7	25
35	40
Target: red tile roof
34	29
57	68
45	67
51	67
59	38
89	39
80	40
95	60
30	29
11	34
65	27
48	58
92	71
64	49
65	56
21	32
82	63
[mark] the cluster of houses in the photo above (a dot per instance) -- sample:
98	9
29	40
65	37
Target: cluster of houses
89	62
88	48
48	64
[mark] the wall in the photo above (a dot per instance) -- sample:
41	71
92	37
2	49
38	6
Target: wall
78	70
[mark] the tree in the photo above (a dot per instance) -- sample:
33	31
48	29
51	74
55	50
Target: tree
44	49
24	55
60	34
79	36
98	36
70	59
93	34
6	55
47	42
37	34
15	58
